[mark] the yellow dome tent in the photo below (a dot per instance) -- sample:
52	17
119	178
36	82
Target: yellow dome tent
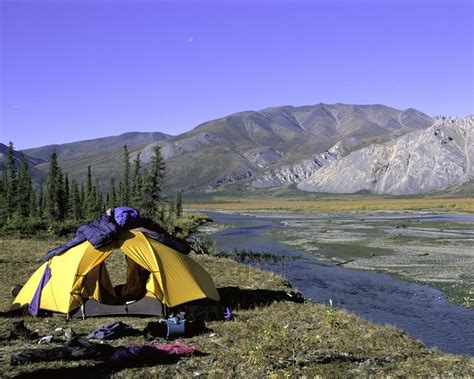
80	285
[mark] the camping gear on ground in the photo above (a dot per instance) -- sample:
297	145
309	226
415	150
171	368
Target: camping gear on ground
81	348
157	353
173	327
228	315
76	281
113	331
67	333
75	349
19	330
45	340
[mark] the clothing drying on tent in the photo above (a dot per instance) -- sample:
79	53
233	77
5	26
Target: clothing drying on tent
74	279
103	231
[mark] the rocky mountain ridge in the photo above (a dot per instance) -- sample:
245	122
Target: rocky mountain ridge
426	160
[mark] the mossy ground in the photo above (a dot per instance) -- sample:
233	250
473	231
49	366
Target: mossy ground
281	339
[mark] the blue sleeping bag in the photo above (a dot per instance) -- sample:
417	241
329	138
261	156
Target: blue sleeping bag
102	232
99	233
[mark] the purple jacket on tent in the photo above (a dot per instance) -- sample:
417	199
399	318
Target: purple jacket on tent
98	233
126	217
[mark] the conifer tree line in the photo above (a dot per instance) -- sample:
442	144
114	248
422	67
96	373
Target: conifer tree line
60	200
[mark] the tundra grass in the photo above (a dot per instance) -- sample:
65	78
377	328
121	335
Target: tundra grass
190	221
281	339
336	204
462	294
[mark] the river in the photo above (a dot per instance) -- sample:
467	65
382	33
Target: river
419	310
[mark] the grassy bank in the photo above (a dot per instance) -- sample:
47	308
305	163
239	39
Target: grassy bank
350	203
282	338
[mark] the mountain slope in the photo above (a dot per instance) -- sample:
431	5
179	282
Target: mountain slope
104	155
296	131
432	159
16	156
32	163
96	146
251	145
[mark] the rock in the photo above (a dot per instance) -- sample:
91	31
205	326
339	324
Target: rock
293	174
426	160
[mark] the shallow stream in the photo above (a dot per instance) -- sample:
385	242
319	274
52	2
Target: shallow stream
419	310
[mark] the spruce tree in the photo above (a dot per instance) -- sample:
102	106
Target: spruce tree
88	188
33	212
41	201
125	193
137	183
112	195
161	213
179	204
83	200
99	200
66	194
62	204
152	184
89	200
54	194
75	202
3	200
11	182
171	217
94	205
148	207
25	190
120	193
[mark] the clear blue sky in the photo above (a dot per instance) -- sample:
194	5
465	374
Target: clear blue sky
75	70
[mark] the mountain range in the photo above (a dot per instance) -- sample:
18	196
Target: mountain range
281	146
